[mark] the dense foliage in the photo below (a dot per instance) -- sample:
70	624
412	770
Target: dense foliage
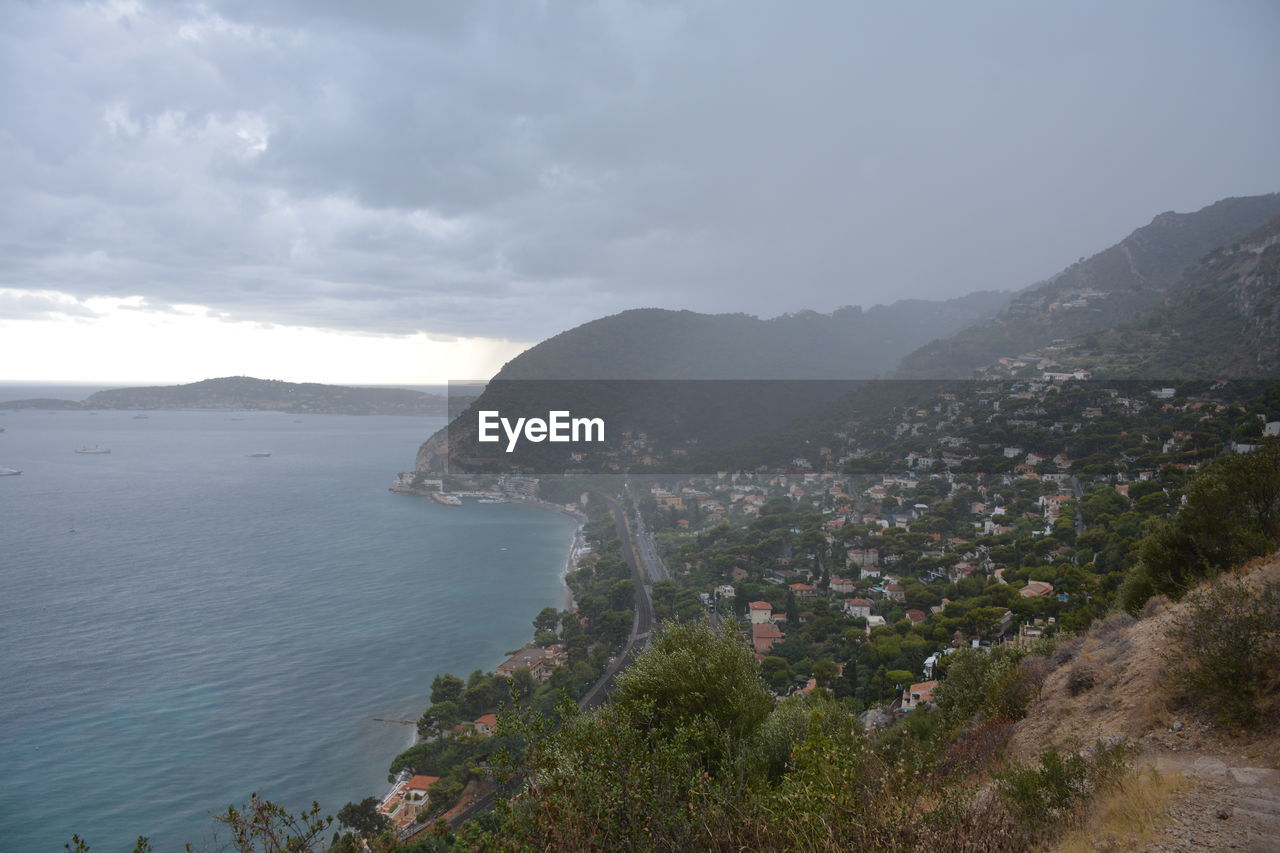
1230	515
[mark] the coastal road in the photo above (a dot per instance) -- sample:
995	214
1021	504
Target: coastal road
641	623
648	550
637	642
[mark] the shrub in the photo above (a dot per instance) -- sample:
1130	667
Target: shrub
1154	606
979	685
1224	650
1231	513
1066	651
1113	625
976	748
1014	688
1083	676
1038	796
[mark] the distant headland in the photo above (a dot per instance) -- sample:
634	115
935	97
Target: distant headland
245	393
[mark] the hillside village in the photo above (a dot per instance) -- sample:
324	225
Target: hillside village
989	513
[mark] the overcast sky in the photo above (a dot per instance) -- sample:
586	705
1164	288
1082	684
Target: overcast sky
440	183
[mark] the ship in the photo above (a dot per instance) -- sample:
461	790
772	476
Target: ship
9	472
261	454
94	449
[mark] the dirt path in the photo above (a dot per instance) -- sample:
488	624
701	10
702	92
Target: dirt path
1228	803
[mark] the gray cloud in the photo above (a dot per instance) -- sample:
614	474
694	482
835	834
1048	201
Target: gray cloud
511	170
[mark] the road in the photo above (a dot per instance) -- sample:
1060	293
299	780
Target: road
637	642
653	565
1078	493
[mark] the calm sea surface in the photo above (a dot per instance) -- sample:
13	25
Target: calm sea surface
182	624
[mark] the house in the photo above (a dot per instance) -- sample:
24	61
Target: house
810	685
760	612
407	800
725	591
1034	589
863	556
417	794
895	592
858	608
540	662
841	585
802	590
486	724
916	616
763	636
918	694
870	572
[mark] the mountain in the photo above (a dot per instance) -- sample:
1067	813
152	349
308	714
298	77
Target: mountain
1223	321
580	370
244	393
1112	288
651	343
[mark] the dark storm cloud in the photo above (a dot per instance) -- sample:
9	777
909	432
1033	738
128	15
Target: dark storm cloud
512	169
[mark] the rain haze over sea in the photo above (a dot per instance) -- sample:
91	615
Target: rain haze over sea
184	624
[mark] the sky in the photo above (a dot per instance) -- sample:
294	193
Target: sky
408	192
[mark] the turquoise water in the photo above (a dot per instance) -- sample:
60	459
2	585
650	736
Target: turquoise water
182	625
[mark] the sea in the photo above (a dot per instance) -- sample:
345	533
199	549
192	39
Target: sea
183	624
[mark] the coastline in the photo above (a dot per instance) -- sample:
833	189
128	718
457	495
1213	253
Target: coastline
577	548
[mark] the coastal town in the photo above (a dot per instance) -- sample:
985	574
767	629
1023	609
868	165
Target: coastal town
980	515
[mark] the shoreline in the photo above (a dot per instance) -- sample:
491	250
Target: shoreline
577	547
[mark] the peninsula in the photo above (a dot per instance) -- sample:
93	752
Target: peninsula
245	393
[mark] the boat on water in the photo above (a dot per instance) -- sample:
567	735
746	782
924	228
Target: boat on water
94	449
446	500
140	417
491	501
261	454
9	472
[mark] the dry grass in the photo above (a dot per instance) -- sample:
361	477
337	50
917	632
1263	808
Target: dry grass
1124	815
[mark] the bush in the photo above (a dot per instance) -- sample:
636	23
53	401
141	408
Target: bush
1083	676
1230	515
1066	651
1224	650
976	748
1040	795
1154	606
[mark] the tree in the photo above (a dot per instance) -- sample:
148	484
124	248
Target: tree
622	594
547	619
701	682
439	714
364	817
825	670
264	827
476	700
776	671
523	682
446	688
1231	514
